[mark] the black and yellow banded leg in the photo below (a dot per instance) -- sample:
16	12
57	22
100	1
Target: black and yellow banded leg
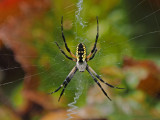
97	83
92	56
65	53
65	40
66	81
102	79
92	51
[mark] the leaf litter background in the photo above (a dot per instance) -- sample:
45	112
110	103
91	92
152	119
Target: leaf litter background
31	65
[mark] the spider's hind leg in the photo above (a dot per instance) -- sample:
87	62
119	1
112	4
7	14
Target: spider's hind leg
98	83
58	87
102	79
66	81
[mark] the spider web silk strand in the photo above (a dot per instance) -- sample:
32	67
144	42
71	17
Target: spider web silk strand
72	106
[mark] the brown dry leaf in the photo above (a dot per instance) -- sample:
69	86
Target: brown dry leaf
39	98
150	82
15	35
87	113
59	115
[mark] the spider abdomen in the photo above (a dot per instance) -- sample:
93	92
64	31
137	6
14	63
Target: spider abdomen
81	66
81	53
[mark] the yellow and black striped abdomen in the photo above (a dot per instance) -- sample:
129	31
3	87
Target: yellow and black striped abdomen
81	52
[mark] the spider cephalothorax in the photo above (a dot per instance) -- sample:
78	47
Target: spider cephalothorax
81	63
81	57
81	52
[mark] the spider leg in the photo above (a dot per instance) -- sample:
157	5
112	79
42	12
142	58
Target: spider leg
92	55
102	79
98	83
65	39
59	87
66	81
65	53
63	91
92	51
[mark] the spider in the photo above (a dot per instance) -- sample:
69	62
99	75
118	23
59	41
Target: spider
81	63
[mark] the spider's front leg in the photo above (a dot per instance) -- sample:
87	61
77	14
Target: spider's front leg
92	56
94	48
65	53
66	81
67	48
